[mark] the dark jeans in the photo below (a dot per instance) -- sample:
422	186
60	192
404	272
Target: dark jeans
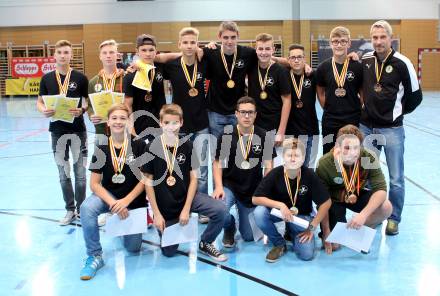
61	145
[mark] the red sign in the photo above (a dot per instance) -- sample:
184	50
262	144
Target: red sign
32	67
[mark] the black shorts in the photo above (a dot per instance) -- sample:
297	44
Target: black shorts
337	210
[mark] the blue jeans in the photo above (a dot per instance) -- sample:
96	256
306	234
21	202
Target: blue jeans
266	222
392	140
243	216
61	144
91	208
312	147
200	141
217	122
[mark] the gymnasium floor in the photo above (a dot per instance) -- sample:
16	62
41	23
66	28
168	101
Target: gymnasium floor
38	257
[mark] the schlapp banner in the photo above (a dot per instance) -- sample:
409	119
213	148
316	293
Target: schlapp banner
32	67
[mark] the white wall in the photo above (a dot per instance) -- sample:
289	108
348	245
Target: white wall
64	12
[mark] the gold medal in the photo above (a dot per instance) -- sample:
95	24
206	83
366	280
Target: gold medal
351	198
193	92
377	87
118	161
171	181
263	82
148	97
245	164
263	95
299	104
294	210
340	92
340	78
230	83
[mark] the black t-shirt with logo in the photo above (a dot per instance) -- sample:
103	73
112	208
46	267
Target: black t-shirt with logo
278	84
341	110
222	99
195	112
170	199
78	86
243	182
102	164
311	188
139	102
303	121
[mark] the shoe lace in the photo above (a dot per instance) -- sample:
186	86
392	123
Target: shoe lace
212	250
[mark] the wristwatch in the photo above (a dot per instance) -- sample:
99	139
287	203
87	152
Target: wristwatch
311	227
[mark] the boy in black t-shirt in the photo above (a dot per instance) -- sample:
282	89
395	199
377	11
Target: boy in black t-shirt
140	101
238	168
291	188
65	136
269	86
172	184
116	185
339	82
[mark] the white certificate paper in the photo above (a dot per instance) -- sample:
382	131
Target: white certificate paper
355	239
178	234
296	220
136	222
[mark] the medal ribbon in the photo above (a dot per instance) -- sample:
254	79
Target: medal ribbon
192	82
170	163
289	190
260	78
65	86
350	183
225	64
340	79
298	88
118	161
248	144
109	86
376	67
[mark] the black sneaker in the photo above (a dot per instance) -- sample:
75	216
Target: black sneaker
228	238
211	251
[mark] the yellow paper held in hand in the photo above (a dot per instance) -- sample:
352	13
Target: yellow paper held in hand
141	78
118	98
50	101
101	103
62	107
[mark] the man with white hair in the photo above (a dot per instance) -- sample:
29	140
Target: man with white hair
390	90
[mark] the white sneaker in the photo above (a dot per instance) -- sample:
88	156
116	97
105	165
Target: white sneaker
70	216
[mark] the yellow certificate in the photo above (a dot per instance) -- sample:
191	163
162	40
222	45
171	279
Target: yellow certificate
101	102
142	77
51	101
118	98
62	107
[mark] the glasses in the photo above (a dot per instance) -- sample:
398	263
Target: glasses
342	42
246	113
294	58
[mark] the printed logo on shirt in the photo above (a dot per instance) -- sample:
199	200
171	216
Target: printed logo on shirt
307	83
389	69
239	64
350	76
338	180
257	148
303	190
199	76
130	158
368	66
270	81
98	87
181	158
73	86
159	77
